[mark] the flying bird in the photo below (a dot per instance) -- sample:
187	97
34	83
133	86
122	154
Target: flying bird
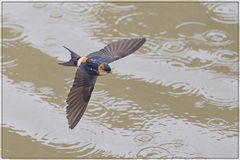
89	68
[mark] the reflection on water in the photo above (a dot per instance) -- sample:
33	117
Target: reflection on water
183	84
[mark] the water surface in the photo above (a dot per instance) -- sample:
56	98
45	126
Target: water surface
170	99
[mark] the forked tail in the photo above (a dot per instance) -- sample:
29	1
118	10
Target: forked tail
74	58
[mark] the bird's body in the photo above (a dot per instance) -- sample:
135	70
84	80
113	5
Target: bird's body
89	68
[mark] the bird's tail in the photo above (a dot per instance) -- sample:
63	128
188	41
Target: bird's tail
74	58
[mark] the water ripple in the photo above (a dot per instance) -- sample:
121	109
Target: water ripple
196	28
117	8
103	107
39	5
179	149
97	112
191	63
10	63
226	56
153	152
50	42
75	12
221	91
12	32
55	14
45	92
223	12
216	38
131	17
82	149
151	47
173	46
182	89
175	149
138	20
177	53
217	123
167	48
144	137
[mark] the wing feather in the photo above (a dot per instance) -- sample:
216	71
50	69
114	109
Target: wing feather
119	49
79	96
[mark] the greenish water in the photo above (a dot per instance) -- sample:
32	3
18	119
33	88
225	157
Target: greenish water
176	97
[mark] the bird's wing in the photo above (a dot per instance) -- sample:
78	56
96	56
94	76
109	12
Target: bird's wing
79	96
119	49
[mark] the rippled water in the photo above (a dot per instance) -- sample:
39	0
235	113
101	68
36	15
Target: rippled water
171	99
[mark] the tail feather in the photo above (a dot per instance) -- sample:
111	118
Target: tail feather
74	58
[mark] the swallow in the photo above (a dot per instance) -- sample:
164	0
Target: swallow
88	69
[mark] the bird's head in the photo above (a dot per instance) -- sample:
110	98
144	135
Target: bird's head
103	69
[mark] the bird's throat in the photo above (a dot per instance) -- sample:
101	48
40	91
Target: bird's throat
101	70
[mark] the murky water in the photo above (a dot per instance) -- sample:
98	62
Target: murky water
176	97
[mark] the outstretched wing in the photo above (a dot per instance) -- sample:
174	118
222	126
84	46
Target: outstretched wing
119	49
79	96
